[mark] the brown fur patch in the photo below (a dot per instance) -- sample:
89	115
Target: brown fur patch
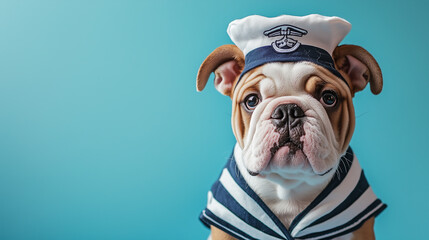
342	117
240	117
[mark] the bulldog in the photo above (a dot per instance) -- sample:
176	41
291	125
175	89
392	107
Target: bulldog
292	174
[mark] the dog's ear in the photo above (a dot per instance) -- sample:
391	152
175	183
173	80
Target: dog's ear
226	62
359	67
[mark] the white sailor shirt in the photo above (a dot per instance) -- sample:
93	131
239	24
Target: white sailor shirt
342	207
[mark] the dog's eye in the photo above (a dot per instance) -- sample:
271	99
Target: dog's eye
251	101
329	98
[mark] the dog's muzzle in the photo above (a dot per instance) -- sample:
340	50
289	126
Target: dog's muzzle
288	120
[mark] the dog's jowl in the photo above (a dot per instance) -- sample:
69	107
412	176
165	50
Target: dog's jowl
292	174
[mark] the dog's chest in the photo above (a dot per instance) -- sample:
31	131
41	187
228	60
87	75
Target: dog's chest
286	204
285	210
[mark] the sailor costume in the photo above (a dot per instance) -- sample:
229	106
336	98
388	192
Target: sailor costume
342	207
348	200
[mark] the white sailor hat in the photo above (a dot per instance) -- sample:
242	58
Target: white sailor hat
287	38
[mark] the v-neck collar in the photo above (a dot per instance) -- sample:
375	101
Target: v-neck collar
235	208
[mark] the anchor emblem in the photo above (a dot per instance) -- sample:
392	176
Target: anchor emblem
285	44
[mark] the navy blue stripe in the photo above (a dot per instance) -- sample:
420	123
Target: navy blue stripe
360	216
357	192
347	160
224	197
267	54
204	220
375	214
235	173
224	226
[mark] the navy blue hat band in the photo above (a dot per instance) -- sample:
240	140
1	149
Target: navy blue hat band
267	54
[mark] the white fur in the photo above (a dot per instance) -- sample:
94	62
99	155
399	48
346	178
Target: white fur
284	83
288	185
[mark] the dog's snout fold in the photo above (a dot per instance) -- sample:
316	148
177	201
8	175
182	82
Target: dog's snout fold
286	114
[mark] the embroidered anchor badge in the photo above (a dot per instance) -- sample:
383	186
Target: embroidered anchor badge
285	44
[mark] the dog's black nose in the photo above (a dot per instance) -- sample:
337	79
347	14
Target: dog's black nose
286	114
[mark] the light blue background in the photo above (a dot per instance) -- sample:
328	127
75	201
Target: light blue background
103	136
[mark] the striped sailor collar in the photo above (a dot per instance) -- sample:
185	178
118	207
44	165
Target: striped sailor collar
342	207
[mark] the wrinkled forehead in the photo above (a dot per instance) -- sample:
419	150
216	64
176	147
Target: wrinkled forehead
285	78
288	78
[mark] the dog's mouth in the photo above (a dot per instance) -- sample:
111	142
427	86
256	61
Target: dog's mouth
285	150
290	138
293	146
290	154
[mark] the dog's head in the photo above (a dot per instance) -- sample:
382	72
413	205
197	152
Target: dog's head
292	119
